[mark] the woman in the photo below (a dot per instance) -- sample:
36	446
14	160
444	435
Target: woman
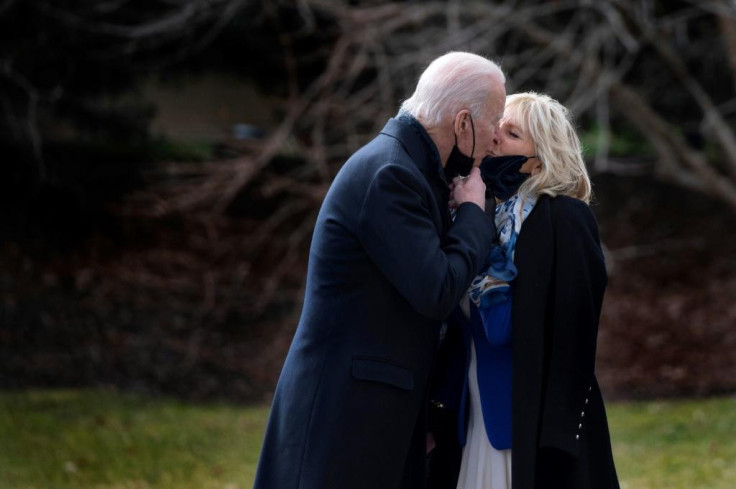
530	321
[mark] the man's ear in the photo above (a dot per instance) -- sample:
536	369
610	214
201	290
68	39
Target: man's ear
462	121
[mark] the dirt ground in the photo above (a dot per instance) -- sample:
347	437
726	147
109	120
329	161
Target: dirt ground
668	326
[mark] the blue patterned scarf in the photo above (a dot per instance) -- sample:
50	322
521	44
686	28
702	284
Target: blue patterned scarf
490	291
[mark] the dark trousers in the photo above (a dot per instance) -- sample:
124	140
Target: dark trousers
443	463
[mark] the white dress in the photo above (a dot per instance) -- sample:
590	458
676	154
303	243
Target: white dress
483	467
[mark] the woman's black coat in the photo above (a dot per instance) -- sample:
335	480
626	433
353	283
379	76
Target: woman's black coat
559	430
560	433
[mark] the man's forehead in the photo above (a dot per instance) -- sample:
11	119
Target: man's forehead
497	107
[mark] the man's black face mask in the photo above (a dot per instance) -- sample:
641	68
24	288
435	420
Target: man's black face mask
458	163
502	176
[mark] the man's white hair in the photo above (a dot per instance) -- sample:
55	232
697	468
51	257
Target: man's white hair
451	83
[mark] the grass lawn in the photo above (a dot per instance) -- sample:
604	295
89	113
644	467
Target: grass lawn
675	444
109	440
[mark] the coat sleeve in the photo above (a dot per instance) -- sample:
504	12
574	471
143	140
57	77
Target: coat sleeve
578	284
397	231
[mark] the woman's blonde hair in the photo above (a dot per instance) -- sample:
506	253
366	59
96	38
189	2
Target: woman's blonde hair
552	131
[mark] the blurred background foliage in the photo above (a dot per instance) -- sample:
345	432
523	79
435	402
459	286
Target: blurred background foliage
163	163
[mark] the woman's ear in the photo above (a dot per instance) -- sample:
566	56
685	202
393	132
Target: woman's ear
537	168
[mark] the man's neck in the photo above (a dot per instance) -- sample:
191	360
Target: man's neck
441	139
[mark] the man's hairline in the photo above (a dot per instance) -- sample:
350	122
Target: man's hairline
498	82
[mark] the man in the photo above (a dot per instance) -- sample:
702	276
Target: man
386	267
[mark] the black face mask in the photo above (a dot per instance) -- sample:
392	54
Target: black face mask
458	163
502	176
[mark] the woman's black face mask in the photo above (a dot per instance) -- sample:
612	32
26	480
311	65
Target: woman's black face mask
458	163
502	176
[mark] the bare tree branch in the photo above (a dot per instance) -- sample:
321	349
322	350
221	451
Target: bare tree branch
188	14
727	25
711	116
29	123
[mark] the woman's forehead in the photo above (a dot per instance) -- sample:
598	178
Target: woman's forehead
511	117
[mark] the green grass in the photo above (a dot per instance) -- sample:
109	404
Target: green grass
99	439
109	440
675	444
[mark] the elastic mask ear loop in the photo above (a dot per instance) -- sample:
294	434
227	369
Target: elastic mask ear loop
472	126
472	152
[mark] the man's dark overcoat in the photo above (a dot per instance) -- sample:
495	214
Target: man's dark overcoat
560	437
385	268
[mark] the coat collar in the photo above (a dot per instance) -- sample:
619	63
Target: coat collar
417	142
